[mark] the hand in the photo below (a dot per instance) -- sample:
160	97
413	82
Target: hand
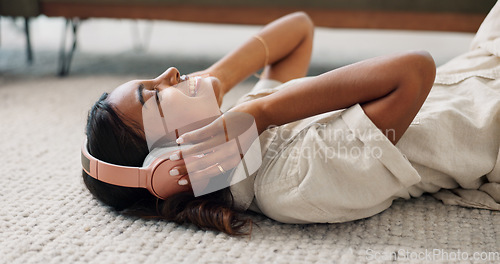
219	147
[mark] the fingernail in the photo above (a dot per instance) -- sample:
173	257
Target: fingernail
174	156
183	182
174	172
180	140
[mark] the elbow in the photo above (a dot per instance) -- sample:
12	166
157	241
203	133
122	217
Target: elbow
305	21
306	18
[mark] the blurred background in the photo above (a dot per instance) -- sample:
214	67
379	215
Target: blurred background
148	47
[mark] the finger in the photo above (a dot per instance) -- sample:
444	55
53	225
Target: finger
184	180
204	147
220	155
197	135
216	170
182	169
177	155
203	133
178	170
205	162
206	174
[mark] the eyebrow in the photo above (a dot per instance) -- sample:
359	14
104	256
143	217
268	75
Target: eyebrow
140	88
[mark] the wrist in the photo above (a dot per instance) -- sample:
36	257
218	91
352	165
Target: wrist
219	73
256	109
217	83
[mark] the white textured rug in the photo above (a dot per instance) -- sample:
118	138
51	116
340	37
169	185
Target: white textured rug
46	215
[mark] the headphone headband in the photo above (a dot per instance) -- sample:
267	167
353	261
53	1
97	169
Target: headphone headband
155	177
104	171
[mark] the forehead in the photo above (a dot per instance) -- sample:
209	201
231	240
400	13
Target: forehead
124	91
124	99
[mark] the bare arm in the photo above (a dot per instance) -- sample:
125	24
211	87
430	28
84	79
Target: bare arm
391	90
289	40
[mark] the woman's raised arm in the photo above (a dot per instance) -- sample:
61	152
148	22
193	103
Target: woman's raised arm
391	90
289	44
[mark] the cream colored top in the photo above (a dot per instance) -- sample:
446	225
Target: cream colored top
306	152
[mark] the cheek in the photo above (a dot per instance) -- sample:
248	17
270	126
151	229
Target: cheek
193	109
181	111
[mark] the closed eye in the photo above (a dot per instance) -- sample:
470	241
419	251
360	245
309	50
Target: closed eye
140	89
157	94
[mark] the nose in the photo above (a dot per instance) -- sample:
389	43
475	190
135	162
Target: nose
170	77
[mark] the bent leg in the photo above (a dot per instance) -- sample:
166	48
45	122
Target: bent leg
393	113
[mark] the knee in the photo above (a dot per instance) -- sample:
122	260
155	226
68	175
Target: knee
424	69
420	72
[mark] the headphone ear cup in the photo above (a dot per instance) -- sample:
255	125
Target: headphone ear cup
157	153
162	184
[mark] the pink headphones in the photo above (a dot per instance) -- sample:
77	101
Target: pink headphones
154	177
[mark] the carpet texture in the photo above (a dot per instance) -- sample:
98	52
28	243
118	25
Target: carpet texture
47	215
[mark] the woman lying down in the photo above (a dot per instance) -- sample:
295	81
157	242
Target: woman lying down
335	147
